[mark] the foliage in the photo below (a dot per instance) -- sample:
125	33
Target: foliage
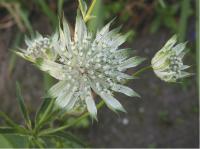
165	16
31	134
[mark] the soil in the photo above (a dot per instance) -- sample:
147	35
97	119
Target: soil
165	116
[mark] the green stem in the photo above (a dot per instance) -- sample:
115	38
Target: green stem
197	43
60	7
89	12
185	13
81	7
137	73
50	131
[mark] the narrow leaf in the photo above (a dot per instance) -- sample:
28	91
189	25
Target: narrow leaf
22	105
45	111
7	130
44	105
12	124
69	136
8	120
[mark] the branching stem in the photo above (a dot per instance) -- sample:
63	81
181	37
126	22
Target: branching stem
51	131
87	16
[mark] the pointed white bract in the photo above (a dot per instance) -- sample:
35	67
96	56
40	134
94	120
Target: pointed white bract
39	47
84	64
167	63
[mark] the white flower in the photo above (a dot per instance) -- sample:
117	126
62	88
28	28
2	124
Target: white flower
167	63
39	47
87	64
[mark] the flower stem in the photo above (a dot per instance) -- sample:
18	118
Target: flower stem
87	16
137	73
89	12
50	131
81	7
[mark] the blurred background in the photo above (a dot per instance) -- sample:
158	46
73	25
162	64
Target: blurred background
165	116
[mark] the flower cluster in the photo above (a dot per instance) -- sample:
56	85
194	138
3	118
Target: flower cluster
84	64
167	63
39	47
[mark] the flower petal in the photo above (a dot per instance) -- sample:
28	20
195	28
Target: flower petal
69	106
59	87
112	103
125	90
28	41
122	75
105	29
80	29
185	74
170	43
131	62
64	98
121	53
118	40
179	48
54	69
67	34
29	58
91	106
184	67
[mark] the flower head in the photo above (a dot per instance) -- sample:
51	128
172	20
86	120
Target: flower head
38	47
85	64
167	63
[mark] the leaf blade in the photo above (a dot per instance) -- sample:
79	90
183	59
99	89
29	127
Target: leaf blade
12	124
7	130
22	106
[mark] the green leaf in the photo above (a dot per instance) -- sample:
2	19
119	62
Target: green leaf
64	140
22	105
8	120
17	141
49	118
63	127
12	124
7	130
71	138
43	107
155	25
4	143
44	112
